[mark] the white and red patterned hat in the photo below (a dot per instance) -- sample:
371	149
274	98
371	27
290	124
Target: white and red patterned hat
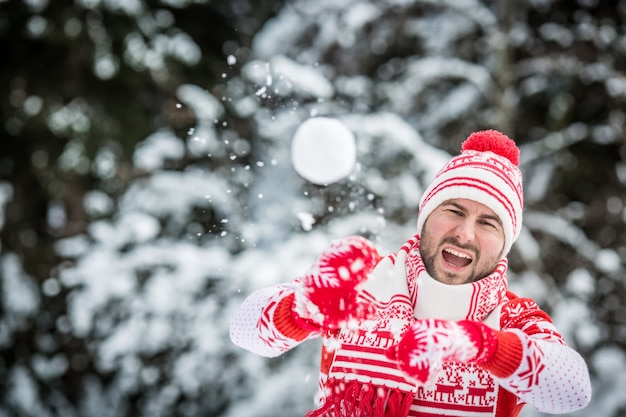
487	172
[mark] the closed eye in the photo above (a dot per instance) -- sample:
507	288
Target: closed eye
492	223
487	223
456	212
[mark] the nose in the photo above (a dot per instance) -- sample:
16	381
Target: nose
465	231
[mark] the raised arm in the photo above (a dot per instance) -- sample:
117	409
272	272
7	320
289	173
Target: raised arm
265	325
274	320
527	356
540	369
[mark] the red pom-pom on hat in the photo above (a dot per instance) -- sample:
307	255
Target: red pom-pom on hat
494	141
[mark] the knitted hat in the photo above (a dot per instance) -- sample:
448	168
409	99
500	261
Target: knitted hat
487	172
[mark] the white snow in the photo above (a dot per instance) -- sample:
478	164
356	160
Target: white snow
19	292
149	279
283	76
156	149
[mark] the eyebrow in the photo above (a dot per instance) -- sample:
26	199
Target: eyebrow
463	209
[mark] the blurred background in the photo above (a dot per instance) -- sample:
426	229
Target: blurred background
146	185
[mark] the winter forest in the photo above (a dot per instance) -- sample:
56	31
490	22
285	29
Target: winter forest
147	185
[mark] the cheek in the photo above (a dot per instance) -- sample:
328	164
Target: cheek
492	246
439	226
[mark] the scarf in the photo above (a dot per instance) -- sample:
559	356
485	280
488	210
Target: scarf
361	381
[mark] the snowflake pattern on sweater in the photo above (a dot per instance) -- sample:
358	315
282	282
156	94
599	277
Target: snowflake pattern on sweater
533	365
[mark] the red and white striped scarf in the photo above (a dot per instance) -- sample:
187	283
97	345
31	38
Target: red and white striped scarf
361	381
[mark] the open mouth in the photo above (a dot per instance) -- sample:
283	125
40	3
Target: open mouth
456	258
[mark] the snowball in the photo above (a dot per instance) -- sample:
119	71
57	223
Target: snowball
323	150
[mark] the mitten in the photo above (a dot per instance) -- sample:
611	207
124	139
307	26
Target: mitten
430	342
327	297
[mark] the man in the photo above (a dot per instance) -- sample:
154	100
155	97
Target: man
432	329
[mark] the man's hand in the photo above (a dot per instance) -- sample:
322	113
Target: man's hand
328	296
430	342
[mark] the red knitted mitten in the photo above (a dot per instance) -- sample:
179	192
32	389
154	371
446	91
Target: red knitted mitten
328	296
430	342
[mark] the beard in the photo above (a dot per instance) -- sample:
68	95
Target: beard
430	250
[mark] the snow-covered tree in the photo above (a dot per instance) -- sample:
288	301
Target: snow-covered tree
211	207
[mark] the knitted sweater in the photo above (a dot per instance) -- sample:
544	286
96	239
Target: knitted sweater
532	364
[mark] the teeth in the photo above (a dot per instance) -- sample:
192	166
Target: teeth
459	254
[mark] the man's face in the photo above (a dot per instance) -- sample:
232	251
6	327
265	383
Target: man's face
461	241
